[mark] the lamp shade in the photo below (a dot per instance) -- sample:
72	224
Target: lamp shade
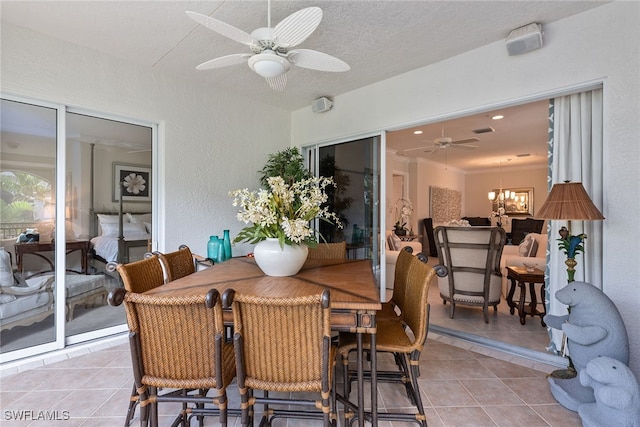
569	200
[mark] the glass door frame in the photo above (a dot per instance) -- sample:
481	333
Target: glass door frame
310	154
61	341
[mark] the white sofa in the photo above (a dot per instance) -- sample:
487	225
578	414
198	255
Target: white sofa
511	256
391	256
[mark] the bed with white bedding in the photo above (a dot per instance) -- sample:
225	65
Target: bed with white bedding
121	237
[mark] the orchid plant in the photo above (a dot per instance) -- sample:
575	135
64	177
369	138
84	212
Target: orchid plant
284	211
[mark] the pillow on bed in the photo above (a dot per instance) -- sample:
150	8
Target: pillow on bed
141	218
130	231
111	219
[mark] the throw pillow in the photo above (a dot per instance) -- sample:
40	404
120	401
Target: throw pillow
524	247
529	245
394	242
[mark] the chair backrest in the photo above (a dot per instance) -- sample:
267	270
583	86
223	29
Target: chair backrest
177	264
282	343
415	308
191	357
141	276
328	251
400	277
472	257
521	227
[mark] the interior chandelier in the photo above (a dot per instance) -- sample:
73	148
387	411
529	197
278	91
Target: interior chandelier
502	196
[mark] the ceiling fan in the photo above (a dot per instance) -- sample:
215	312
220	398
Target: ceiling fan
272	54
445	142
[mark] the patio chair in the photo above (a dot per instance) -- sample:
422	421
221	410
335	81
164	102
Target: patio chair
472	257
181	263
139	277
178	343
283	344
328	251
391	309
403	337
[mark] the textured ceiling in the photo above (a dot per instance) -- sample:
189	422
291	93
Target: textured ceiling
378	39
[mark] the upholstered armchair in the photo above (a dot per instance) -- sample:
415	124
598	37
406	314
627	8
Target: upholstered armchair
472	257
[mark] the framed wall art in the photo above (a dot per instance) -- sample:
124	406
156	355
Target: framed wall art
133	181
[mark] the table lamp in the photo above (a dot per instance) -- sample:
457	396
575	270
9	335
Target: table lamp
569	201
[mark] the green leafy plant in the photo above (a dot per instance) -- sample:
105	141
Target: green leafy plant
287	164
571	245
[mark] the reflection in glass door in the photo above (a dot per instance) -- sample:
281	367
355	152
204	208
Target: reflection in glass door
27	220
98	151
355	167
58	170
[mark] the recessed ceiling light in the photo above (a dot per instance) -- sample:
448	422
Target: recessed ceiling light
497	117
417	132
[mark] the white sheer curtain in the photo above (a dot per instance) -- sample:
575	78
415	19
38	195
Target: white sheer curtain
576	149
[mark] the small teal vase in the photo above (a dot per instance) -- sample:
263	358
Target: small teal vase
226	242
221	256
213	248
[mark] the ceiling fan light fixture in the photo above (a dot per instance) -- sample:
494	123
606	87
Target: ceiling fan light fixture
268	64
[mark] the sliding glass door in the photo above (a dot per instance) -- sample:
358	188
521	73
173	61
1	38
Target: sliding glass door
61	169
28	170
355	167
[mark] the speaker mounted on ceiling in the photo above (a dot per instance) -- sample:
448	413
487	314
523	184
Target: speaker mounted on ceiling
524	39
321	105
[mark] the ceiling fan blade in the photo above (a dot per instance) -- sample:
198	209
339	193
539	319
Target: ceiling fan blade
314	60
295	28
222	28
465	147
224	61
427	147
277	83
465	141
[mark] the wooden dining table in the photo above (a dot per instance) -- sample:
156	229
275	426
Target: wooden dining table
354	302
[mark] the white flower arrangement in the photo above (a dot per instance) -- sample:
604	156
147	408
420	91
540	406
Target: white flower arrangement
285	211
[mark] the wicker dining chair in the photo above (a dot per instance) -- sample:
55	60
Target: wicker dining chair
181	263
328	251
283	344
178	343
391	309
139	277
404	338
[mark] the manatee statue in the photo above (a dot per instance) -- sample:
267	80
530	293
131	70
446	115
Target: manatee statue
593	328
616	393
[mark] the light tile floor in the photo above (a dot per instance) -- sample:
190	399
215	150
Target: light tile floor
461	385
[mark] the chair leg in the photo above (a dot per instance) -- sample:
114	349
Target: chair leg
152	410
132	406
414	373
346	389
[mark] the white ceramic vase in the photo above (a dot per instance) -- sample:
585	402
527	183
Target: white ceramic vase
276	261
